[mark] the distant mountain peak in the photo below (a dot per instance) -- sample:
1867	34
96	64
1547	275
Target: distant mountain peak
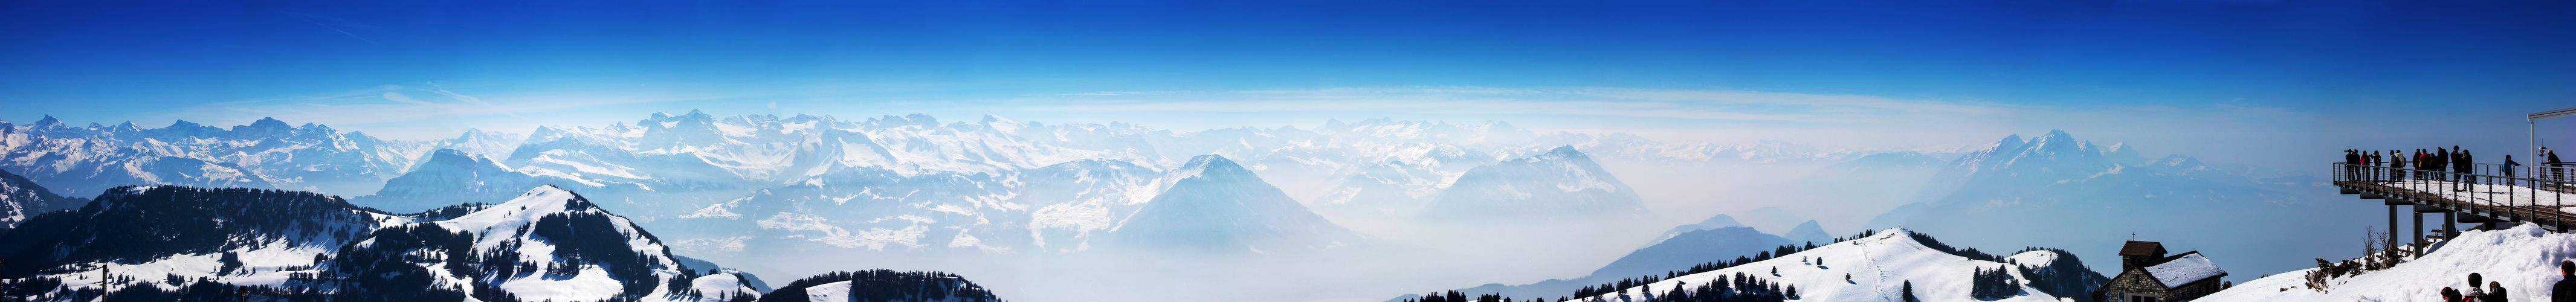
1565	151
47	122
1210	164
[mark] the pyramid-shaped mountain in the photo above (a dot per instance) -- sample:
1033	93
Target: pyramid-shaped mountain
1217	205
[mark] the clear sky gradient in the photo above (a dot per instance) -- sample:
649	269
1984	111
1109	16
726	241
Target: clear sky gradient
2229	81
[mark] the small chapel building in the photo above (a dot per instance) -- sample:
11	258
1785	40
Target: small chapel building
2147	275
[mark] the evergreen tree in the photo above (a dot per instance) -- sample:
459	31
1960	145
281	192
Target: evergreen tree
1909	292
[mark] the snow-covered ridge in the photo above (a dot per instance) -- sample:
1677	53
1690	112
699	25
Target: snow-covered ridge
1877	268
21	199
547	244
2523	258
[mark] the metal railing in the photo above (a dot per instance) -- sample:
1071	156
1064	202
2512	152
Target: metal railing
2533	194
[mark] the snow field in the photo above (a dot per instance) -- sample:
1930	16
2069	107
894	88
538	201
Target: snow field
1879	267
2524	258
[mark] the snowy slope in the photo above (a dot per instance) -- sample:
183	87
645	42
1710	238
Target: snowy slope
1691	248
2524	258
1877	265
148	233
1561	183
547	244
21	199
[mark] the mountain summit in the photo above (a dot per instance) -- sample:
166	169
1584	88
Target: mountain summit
1217	205
1558	183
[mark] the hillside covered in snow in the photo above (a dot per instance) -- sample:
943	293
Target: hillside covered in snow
1890	265
174	243
2524	259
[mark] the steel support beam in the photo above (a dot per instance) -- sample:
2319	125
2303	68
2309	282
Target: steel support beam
2392	227
2450	226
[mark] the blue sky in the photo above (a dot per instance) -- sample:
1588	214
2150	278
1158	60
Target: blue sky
2216	79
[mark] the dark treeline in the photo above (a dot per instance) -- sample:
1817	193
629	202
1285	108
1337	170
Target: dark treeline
888	285
1993	284
134	224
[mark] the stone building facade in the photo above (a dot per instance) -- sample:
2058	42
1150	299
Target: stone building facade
2147	275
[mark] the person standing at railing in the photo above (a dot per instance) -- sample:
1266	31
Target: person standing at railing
2368	159
2376	160
2440	162
2350	158
2466	166
2557	169
2423	160
2396	165
2509	166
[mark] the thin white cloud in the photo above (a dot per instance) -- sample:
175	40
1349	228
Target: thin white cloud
397	96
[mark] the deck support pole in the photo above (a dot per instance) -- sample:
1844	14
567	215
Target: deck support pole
2419	230
2392	227
2450	225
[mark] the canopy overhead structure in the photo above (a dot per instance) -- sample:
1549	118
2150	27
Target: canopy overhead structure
2552	114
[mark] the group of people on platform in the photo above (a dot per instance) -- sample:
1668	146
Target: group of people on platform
2563	291
2451	164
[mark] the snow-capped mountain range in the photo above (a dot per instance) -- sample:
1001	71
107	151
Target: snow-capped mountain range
697	151
904	182
264	154
2062	191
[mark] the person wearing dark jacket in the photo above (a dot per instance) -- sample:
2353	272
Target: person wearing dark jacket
2351	158
2396	165
2565	291
2378	160
2558	169
2441	160
2450	295
2467	165
2423	161
2495	293
2509	166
